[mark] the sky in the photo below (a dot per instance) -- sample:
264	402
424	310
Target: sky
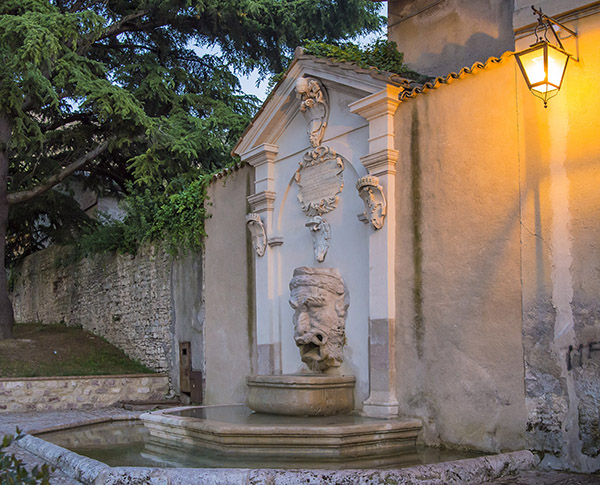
249	82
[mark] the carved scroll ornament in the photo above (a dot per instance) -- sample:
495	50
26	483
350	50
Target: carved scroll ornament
321	233
320	178
314	106
257	230
320	301
375	205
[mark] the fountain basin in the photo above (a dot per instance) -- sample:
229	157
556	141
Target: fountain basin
236	429
301	394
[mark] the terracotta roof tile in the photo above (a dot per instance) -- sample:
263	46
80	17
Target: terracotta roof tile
375	73
227	171
450	78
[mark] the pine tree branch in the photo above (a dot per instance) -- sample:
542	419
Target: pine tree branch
121	26
25	195
86	117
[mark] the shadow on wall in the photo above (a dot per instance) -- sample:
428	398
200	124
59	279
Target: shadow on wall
454	57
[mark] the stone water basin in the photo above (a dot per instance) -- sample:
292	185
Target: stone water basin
130	443
240	431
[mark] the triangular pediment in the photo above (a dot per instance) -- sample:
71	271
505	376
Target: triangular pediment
281	108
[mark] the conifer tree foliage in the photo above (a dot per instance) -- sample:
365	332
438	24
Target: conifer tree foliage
114	90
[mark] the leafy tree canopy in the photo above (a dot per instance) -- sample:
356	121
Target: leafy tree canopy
116	91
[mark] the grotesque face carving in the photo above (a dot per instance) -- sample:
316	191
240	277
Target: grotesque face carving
320	300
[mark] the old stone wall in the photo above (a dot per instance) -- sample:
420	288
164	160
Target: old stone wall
125	299
59	393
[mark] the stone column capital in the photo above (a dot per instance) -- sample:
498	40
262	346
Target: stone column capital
262	202
261	154
379	104
381	163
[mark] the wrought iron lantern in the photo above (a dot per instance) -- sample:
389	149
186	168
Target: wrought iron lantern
543	64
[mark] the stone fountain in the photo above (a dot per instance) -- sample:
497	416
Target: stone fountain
310	412
320	301
296	416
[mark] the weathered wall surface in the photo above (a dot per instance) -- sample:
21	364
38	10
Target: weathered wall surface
460	354
59	393
499	321
444	36
560	174
228	286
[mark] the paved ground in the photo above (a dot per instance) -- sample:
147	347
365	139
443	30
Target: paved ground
31	422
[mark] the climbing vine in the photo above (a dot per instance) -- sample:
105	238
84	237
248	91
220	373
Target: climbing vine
382	55
173	221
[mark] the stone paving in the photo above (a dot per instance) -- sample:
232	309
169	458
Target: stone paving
32	422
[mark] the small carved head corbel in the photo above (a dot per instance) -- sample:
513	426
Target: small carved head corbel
372	195
257	230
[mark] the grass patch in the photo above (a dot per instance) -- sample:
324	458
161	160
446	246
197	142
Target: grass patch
57	350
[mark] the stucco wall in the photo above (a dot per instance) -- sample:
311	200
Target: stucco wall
228	286
460	356
498	278
560	174
438	37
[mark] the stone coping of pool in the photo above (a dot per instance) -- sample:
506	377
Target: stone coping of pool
236	428
90	471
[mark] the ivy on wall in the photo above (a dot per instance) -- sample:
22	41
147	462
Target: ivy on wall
175	222
382	55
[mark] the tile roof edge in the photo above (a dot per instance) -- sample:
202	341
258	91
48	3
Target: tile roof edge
451	77
379	74
224	172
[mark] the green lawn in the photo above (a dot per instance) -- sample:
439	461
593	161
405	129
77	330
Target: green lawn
57	350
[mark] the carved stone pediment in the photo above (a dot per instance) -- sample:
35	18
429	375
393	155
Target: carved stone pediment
321	233
257	230
375	204
320	301
314	105
320	179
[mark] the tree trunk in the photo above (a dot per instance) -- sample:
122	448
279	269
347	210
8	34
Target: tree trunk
7	318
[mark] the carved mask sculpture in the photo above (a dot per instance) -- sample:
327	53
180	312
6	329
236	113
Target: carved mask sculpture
320	300
314	106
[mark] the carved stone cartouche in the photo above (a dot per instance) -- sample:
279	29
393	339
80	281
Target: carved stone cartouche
372	195
321	233
314	106
320	301
320	179
257	230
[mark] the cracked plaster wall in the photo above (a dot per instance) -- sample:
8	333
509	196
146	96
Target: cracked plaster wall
561	263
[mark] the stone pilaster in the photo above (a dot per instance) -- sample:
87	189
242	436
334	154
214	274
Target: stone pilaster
379	109
262	202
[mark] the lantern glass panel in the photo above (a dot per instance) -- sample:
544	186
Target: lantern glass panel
532	62
557	64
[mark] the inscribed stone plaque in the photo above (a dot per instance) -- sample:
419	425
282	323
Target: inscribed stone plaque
320	179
